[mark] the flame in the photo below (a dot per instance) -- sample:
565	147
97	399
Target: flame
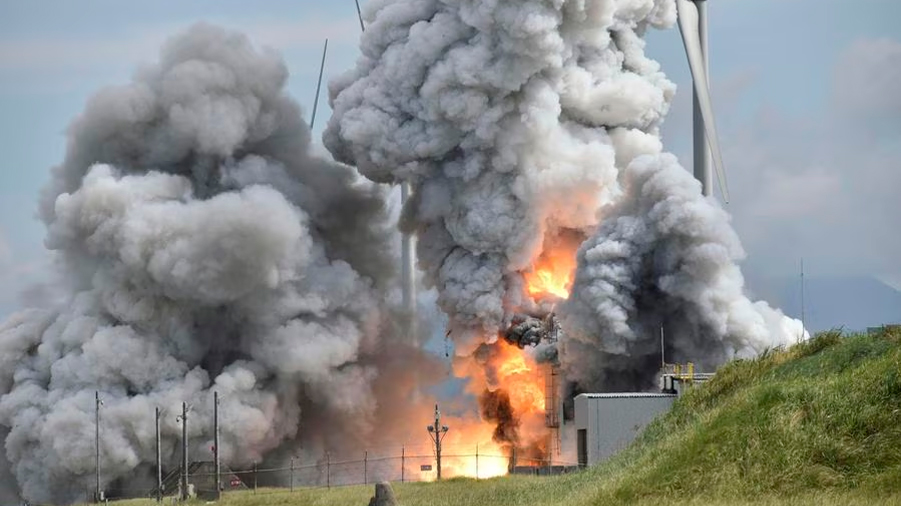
546	281
513	382
520	377
553	272
499	367
467	438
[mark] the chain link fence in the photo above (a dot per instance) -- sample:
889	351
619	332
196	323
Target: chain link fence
399	464
403	464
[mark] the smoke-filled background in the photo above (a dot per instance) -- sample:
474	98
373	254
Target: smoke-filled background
204	249
520	123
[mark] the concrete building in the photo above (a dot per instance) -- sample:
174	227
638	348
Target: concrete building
608	423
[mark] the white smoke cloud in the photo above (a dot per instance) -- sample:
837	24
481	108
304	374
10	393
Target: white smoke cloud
204	249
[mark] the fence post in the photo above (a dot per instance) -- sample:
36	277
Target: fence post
477	461
328	470
403	453
292	474
254	477
365	463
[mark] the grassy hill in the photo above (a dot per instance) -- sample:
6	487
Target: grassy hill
819	423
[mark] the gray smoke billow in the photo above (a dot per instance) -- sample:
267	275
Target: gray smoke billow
519	123
204	248
664	256
510	119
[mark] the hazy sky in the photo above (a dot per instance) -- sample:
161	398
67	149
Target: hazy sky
806	93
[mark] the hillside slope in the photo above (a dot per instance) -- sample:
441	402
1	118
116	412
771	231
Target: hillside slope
819	423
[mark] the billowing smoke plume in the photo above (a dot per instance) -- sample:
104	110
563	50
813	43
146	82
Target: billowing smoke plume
516	123
205	249
664	257
510	119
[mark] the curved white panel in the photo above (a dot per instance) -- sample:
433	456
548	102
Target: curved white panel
688	27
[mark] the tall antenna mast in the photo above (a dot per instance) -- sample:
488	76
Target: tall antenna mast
408	282
803	315
319	85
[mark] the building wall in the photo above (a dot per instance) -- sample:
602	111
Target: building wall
612	421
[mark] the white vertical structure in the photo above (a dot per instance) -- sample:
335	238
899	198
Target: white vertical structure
407	274
701	149
693	27
407	264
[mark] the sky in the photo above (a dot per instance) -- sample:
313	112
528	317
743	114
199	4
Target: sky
805	93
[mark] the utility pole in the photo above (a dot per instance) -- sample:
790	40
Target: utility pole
184	451
216	444
437	433
803	315
662	350
97	403
159	460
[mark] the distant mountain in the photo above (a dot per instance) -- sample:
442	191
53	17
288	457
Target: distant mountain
853	303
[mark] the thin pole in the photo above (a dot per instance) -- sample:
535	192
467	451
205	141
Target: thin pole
328	470
97	403
292	474
403	458
319	85
803	315
662	350
477	461
184	451
254	477
159	459
437	433
360	16
365	468
408	279
216	444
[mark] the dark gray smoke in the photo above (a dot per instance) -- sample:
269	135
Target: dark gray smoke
204	249
516	123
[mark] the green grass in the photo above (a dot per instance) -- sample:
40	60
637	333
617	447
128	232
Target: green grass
818	423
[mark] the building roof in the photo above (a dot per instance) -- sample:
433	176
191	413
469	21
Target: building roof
626	395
